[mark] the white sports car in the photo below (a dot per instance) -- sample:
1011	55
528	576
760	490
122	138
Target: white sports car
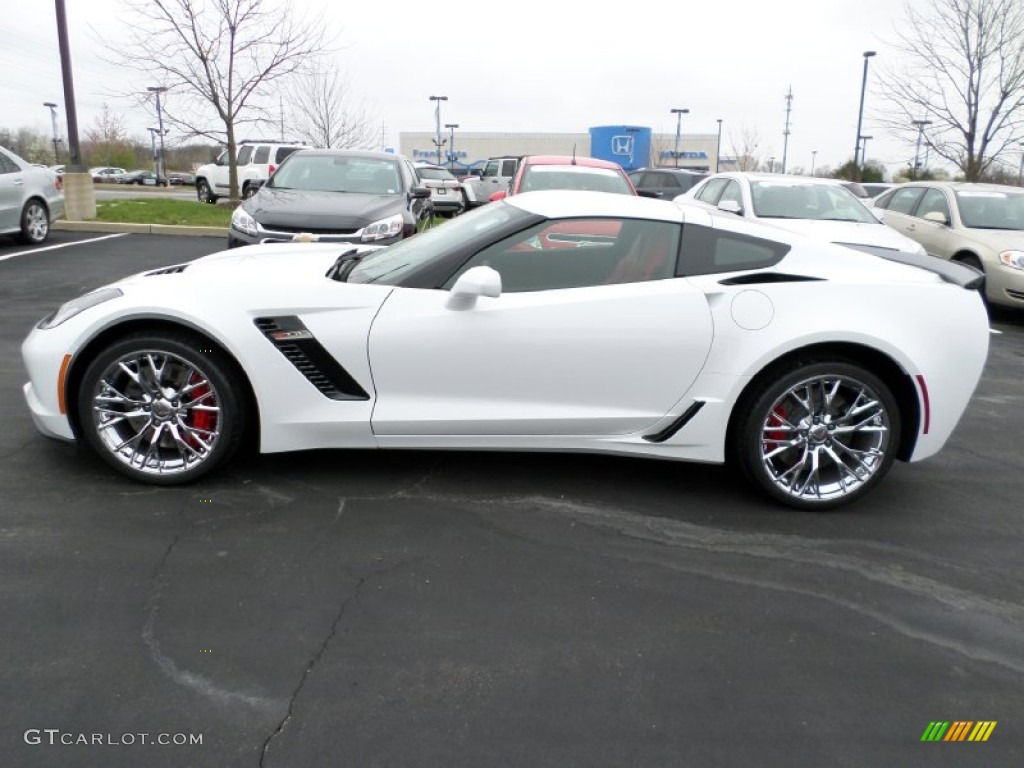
552	321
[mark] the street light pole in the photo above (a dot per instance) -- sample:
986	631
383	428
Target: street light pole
437	124
864	150
814	156
53	122
860	116
160	169
917	152
679	124
1020	173
152	143
718	151
451	144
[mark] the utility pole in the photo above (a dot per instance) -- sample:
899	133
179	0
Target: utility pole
785	133
438	141
679	125
917	152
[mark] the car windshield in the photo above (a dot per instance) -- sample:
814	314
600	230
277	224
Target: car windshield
435	174
793	200
583	177
389	265
333	173
991	209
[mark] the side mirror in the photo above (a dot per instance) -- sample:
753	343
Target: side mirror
478	281
936	216
497	196
731	206
478	172
418	193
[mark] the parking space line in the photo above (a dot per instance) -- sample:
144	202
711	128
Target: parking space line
62	245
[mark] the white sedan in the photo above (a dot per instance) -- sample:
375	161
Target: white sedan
551	321
823	209
30	198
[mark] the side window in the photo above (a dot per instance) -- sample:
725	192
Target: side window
710	192
508	168
934	201
412	178
491	169
262	156
244	154
577	253
732	192
638	179
282	153
707	251
7	165
904	199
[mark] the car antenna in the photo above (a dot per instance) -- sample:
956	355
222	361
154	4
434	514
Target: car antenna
573	155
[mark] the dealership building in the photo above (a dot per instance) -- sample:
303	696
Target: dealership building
630	146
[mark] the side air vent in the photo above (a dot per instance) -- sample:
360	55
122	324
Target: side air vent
760	278
175	270
677	424
301	348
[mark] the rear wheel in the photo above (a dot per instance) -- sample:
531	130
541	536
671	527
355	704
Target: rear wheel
161	408
818	436
973	261
35	223
204	193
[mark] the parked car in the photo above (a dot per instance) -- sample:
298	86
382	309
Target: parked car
981	225
679	334
180	178
337	195
666	183
445	189
874	188
496	175
256	162
545	172
823	209
143	178
106	174
58	170
30	198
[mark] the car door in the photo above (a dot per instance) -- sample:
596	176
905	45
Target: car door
937	238
12	189
597	337
899	209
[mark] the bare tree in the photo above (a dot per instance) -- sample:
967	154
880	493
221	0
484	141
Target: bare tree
218	59
745	151
324	114
962	69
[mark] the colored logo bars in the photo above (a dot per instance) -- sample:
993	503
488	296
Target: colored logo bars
959	730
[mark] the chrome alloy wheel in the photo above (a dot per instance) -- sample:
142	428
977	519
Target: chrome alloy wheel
36	223
825	437
156	412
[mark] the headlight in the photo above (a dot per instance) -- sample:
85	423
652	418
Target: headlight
1013	259
385	228
243	222
82	303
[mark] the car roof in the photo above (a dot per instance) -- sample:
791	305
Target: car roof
778	177
681	171
348	153
957	186
587	162
564	203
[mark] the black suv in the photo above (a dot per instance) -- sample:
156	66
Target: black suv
665	183
339	196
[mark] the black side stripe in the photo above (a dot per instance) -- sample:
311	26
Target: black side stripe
675	426
300	347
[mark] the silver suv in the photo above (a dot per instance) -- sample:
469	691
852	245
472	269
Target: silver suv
497	175
257	160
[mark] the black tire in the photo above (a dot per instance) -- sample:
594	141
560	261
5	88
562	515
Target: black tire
204	193
190	432
35	222
973	261
249	191
787	424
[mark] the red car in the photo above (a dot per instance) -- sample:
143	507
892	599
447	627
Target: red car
537	172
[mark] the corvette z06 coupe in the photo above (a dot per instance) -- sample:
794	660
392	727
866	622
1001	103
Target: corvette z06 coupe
551	321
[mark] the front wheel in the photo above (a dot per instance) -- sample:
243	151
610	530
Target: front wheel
204	193
819	436
164	409
35	223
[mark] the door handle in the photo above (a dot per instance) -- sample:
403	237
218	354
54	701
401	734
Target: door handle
19	182
911	227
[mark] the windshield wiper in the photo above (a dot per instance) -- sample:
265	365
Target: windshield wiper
344	264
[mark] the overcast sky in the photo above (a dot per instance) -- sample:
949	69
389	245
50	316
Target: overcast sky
533	66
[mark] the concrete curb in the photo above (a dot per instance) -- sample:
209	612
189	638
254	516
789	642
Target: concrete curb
139	229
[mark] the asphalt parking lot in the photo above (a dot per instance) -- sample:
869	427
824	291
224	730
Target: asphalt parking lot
455	609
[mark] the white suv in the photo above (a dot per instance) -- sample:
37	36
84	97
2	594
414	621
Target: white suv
256	161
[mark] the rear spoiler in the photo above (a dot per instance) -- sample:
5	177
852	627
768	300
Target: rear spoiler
950	271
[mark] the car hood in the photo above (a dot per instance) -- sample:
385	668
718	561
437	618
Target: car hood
334	211
852	232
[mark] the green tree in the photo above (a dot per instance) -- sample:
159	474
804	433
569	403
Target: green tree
870	172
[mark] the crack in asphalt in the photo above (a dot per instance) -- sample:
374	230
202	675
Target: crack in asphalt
309	669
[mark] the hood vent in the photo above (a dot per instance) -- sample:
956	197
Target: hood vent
175	270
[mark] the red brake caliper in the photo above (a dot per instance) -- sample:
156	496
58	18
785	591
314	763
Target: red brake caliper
200	419
777	419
